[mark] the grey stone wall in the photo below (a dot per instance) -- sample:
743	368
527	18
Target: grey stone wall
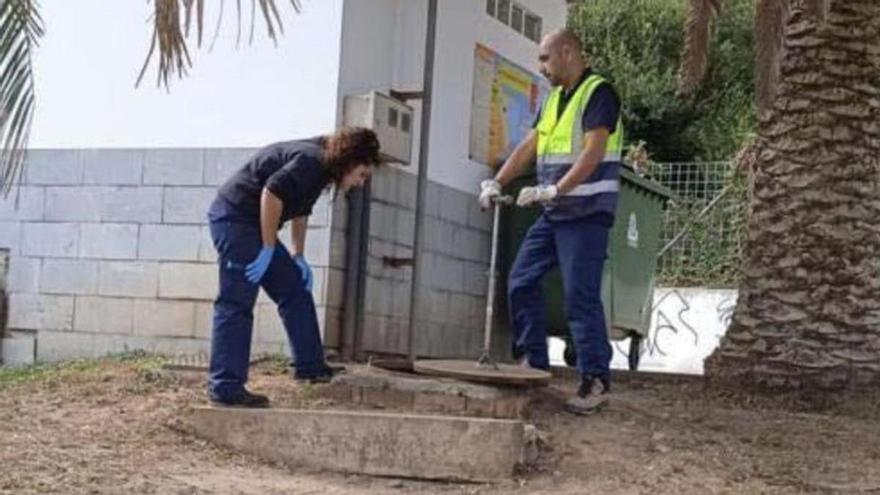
454	267
109	251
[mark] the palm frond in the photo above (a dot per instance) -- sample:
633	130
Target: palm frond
217	28
770	19
20	29
695	58
172	20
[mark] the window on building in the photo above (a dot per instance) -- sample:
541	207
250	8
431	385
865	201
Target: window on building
532	28
392	117
516	18
503	14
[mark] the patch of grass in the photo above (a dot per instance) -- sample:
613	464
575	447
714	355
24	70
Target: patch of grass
275	364
50	372
141	360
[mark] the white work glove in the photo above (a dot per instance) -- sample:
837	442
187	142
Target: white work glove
537	194
489	189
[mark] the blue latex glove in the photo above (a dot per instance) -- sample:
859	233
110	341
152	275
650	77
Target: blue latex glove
257	268
303	265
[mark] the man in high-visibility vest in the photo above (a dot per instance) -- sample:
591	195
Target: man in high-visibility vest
576	142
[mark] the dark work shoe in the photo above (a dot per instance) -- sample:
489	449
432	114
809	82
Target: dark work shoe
591	397
241	399
323	376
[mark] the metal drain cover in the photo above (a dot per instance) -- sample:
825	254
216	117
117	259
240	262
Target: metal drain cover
499	374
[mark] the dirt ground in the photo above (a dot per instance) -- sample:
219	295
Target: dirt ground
121	426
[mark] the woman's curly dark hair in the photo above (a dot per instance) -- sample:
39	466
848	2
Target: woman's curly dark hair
348	148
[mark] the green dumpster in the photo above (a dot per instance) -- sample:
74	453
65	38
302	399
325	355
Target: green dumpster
629	276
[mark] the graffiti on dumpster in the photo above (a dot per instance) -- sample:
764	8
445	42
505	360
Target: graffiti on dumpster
669	322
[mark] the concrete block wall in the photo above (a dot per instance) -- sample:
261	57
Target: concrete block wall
109	251
332	258
454	268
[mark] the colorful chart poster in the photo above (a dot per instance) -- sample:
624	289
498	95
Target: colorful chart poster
506	101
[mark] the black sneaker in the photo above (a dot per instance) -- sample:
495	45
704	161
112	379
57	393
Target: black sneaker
241	399
591	397
324	376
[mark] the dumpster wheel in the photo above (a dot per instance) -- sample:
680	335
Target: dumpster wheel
569	355
633	356
635	351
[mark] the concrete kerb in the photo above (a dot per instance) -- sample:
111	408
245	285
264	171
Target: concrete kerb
374	443
380	379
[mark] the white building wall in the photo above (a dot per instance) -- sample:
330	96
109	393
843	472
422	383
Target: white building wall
461	24
388	53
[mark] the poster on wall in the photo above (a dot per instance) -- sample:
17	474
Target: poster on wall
506	101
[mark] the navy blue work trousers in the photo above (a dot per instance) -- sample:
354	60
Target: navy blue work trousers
578	248
238	244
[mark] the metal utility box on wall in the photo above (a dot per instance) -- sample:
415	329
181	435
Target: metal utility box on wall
391	119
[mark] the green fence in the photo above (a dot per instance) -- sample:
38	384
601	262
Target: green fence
709	254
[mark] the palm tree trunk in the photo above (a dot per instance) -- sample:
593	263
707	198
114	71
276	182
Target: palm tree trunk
808	313
770	18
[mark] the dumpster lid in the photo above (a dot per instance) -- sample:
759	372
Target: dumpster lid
628	174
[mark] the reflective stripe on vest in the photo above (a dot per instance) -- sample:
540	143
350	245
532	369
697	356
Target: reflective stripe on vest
591	188
561	138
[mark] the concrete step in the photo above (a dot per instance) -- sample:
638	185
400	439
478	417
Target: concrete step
374	387
384	444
